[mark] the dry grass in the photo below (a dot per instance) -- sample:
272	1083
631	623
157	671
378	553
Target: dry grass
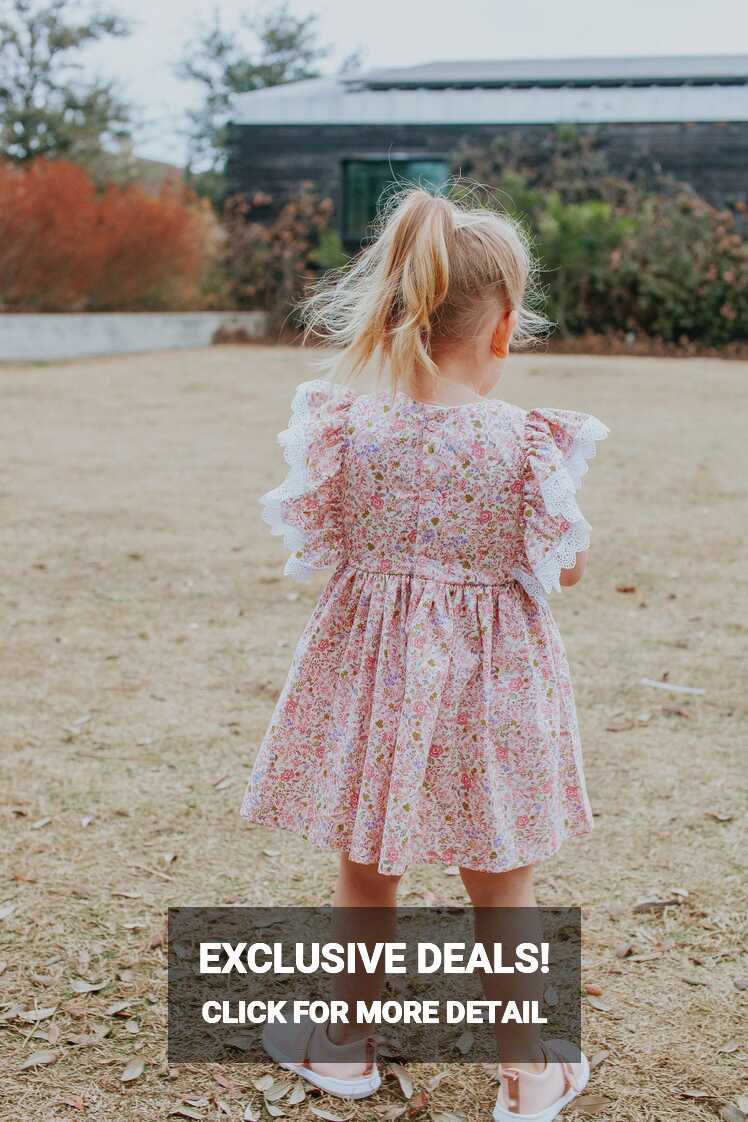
147	632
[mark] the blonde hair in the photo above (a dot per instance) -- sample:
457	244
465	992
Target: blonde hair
427	280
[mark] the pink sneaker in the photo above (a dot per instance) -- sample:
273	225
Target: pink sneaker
346	1070
541	1097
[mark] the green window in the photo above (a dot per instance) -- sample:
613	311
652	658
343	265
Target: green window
364	182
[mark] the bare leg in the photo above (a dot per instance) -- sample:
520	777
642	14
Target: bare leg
513	889
361	887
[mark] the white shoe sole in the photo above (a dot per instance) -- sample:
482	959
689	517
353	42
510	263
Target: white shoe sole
550	1112
359	1088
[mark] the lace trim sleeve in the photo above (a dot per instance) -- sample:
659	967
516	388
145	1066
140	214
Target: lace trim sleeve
559	447
304	509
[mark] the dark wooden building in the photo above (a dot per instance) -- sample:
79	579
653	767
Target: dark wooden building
351	135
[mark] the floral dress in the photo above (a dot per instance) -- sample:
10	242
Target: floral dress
428	716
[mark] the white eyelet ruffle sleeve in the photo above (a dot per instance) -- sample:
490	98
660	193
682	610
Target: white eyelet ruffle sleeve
305	510
558	444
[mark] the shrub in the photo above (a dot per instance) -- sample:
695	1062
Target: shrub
64	246
268	262
643	254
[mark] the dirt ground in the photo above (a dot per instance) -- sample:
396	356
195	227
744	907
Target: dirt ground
147	631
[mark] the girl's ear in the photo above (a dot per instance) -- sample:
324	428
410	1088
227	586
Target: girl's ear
502	336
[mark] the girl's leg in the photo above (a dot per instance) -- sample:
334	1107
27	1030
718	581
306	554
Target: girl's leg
513	889
361	887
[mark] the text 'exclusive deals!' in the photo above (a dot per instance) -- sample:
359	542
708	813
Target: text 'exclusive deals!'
430	984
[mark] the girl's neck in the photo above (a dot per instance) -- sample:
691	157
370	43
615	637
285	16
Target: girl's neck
457	383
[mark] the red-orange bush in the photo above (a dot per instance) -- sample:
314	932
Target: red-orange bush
64	246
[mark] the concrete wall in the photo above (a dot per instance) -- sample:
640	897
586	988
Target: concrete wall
42	336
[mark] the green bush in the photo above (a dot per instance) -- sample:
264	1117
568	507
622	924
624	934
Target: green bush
637	255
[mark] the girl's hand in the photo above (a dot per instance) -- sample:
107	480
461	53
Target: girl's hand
570	577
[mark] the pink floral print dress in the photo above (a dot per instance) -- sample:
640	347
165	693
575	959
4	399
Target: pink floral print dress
428	716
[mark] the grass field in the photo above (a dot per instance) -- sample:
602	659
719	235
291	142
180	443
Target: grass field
147	631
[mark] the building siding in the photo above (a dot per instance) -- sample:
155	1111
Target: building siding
711	156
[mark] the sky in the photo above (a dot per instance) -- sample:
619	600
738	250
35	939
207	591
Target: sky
404	32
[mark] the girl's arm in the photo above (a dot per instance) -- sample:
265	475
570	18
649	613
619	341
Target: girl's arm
570	577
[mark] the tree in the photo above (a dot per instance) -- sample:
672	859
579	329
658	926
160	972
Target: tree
266	49
46	107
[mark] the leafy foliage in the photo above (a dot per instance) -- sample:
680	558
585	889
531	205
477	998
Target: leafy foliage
268	264
46	108
66	247
632	251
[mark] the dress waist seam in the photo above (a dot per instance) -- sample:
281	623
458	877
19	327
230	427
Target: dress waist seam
504	582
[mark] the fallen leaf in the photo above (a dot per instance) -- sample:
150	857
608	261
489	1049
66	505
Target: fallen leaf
86	820
116	1008
626	588
39	1059
298	1094
731	1113
184	1112
53	1034
597	1059
729	1047
223	1108
71	1100
741	984
133	1070
620	726
656	905
78	985
694	1093
244	1043
671	686
464	1042
403	1077
590	1104
40	823
272	852
742	1103
277	1090
328	1115
274	1111
7	910
596	1003
418	1103
432	1083
223	783
447	1116
133	1027
593	990
225	1082
250	1114
37	1014
389	1113
264	1082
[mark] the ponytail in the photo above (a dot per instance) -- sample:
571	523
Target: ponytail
431	266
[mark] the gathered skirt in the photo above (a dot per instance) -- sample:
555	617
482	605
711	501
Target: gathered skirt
425	721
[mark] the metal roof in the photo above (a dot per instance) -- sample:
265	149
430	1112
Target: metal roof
487	73
336	101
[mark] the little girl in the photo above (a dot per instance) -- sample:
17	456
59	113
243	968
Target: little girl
428	715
